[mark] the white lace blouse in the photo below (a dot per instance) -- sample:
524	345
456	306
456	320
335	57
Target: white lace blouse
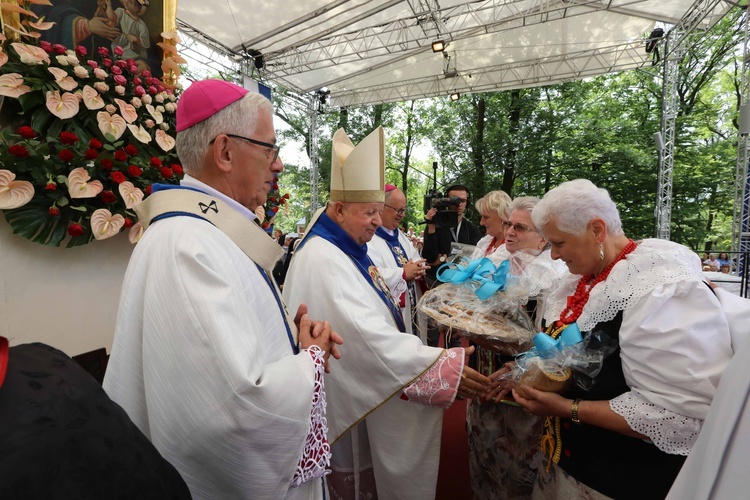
674	339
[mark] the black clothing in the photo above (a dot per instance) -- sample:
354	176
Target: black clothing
619	466
61	436
440	241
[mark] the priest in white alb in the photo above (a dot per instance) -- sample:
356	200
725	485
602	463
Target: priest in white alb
205	360
387	394
398	262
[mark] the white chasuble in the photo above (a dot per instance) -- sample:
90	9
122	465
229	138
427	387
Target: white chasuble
365	385
203	365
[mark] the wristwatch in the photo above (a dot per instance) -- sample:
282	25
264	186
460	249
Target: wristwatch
574	411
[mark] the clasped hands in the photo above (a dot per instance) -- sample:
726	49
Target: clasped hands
317	333
415	269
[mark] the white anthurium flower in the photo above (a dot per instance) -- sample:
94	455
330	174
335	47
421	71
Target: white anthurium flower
79	185
62	78
164	140
140	133
105	225
158	117
113	125
91	98
13	193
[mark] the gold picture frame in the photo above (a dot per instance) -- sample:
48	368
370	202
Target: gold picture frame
90	24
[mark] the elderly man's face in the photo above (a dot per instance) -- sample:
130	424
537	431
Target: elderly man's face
255	167
360	220
394	209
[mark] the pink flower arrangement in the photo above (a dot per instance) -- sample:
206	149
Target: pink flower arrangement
94	136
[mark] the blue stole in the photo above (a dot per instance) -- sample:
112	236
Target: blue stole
395	245
165	187
330	231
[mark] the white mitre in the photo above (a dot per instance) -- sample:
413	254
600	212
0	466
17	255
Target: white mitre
358	173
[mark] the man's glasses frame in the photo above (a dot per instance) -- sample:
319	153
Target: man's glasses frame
268	145
399	211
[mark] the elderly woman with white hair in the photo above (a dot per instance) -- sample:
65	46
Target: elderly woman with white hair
503	440
627	434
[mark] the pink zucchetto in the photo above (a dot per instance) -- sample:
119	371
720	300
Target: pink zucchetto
204	99
389	188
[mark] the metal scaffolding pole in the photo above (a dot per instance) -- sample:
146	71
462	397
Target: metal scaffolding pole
669	110
741	220
312	111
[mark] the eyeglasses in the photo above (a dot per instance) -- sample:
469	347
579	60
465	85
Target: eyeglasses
268	145
519	228
399	211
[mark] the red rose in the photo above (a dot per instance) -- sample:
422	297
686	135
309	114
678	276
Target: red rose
117	177
152	90
155	162
128	223
139	91
107	63
91	154
272	199
103	51
148	189
121	155
146	73
53	211
26	132
122	64
286	196
93	64
81	51
50	186
95	144
265	225
18	151
108	196
118	50
166	172
177	169
131	150
68	138
116	70
106	163
59	49
137	81
75	230
66	155
46	46
134	171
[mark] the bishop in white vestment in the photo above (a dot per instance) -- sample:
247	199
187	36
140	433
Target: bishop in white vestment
205	360
397	260
386	396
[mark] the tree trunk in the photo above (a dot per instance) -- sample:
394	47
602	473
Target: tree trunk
479	150
514	119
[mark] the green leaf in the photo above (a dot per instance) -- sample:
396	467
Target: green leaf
62	201
79	209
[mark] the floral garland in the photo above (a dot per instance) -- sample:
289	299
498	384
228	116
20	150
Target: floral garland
88	136
274	201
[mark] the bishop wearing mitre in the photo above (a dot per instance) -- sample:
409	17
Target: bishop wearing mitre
386	399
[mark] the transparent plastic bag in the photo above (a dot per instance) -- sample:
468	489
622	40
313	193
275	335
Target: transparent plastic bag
554	365
495	319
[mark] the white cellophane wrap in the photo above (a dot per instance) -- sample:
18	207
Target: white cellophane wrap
500	319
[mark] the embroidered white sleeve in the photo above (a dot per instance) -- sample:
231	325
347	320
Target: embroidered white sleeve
316	456
671	432
400	288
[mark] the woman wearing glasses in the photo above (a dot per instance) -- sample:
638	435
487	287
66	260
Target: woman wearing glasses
503	440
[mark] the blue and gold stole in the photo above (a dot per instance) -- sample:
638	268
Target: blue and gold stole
330	231
401	258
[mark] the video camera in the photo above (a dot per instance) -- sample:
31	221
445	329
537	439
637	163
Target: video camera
447	215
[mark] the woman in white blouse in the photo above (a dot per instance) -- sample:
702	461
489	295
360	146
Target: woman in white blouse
627	433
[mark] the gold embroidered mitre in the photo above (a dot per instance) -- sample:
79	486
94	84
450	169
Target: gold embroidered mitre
358	173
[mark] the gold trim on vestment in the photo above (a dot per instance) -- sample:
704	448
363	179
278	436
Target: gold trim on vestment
363	196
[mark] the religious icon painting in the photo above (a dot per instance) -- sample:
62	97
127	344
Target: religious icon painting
380	283
136	26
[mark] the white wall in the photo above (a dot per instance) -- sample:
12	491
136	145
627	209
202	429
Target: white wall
64	297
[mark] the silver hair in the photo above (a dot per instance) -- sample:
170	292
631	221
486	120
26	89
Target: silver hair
240	118
573	204
494	201
526	203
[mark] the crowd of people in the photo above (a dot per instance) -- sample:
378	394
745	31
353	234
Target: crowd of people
344	396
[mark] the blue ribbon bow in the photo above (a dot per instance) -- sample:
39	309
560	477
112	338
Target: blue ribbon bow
482	271
547	347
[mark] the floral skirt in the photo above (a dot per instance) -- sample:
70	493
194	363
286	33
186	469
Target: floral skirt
559	485
503	450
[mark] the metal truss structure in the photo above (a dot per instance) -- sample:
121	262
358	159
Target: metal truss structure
677	42
741	220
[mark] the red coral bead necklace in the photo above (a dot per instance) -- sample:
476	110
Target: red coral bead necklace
587	282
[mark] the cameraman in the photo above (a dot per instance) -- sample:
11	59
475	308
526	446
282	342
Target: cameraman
437	241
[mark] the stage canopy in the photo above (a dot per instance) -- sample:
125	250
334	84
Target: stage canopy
373	51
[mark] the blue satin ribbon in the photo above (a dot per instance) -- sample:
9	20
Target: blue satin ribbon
547	347
481	271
